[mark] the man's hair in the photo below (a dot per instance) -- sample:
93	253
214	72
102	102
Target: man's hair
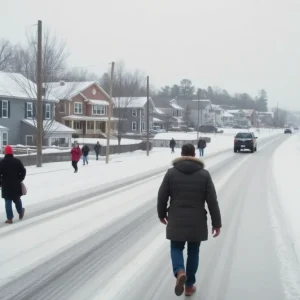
188	150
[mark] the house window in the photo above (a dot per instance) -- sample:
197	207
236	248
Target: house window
4	109
143	126
62	107
90	125
29	110
143	113
29	140
4	138
99	110
78	108
48	111
77	125
134	126
134	113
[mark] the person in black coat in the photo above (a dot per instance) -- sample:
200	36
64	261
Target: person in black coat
172	145
201	146
12	173
188	186
85	152
97	149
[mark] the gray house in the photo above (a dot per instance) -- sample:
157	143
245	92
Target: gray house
18	113
131	113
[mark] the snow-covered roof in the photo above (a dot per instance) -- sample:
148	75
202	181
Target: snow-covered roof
67	90
15	85
88	118
234	111
3	128
98	102
50	126
156	120
130	102
216	107
227	114
175	106
158	111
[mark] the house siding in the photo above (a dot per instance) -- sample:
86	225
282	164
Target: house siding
17	129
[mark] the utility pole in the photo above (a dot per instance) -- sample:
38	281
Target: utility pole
148	116
39	117
198	115
109	110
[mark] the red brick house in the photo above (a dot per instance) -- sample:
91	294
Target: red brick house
83	106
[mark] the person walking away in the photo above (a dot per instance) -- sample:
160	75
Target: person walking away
85	153
12	174
201	146
172	145
97	150
75	156
189	186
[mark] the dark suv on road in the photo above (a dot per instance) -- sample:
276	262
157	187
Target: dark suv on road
245	141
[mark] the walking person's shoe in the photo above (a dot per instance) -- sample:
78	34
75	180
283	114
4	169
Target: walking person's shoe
21	215
189	291
9	221
181	279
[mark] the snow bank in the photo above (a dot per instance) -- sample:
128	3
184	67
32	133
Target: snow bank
103	142
285	160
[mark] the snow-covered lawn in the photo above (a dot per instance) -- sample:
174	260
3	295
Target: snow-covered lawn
286	162
55	180
103	142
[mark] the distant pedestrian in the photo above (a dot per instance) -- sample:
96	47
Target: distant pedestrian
188	186
172	145
85	154
97	149
12	174
75	156
201	146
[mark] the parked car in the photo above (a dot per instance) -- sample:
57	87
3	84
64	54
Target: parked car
287	130
245	141
209	129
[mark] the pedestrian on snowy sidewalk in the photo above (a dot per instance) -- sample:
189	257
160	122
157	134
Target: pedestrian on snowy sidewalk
201	146
12	174
172	145
75	156
188	186
97	150
85	154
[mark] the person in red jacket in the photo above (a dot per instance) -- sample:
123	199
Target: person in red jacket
75	156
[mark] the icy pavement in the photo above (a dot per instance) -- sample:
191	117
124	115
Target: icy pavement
113	247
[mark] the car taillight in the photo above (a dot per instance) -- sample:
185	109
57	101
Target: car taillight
235	141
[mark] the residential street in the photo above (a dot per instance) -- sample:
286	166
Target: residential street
113	247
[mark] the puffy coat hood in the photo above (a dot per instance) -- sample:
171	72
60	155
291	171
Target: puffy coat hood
188	164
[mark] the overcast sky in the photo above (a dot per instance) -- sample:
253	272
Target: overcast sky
239	45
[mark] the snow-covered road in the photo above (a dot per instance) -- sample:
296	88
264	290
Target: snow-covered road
112	247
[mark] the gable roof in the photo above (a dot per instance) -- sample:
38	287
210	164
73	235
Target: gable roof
193	104
167	103
15	85
131	102
50	126
71	89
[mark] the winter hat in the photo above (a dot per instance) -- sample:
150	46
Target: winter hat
8	150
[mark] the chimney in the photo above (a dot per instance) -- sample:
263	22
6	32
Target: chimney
62	83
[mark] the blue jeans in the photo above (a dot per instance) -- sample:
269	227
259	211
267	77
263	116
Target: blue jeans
85	159
8	208
192	260
201	151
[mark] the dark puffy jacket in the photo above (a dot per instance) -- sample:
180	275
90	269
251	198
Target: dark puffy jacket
12	173
201	144
172	143
97	148
85	150
189	186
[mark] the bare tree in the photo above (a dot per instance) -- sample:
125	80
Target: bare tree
54	69
187	115
126	86
6	55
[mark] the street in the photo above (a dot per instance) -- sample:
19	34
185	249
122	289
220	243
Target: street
113	247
